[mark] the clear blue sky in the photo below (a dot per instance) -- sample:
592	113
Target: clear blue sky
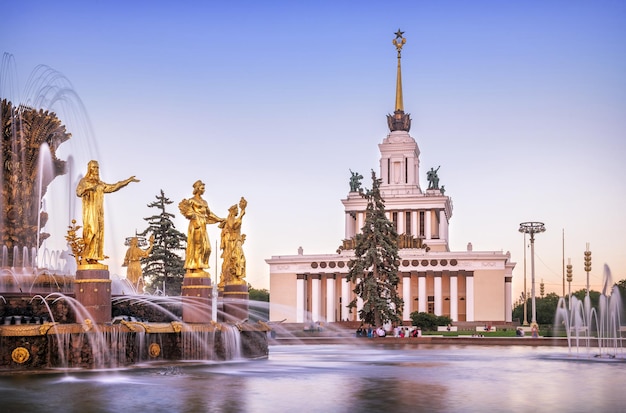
523	104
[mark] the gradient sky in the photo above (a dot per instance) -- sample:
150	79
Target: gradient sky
523	104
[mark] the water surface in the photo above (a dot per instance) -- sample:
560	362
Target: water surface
340	378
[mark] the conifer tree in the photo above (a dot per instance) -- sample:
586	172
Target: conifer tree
374	267
164	266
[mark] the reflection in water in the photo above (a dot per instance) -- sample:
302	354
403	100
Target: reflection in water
338	378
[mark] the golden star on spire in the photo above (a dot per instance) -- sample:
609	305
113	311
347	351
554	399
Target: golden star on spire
399	41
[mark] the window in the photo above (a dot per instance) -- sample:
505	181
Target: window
406	170
431	304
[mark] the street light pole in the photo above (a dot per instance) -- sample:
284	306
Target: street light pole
587	265
569	281
563	262
532	228
525	290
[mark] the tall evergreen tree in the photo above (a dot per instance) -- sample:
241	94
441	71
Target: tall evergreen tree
374	267
164	266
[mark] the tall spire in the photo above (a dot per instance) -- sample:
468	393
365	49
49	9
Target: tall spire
399	44
399	121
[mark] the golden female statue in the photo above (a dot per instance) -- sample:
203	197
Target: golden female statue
132	260
233	259
91	189
197	211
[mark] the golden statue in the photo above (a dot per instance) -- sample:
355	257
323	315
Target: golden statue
197	211
91	189
132	260
233	258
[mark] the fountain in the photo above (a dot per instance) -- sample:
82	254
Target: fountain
46	324
596	331
50	318
29	164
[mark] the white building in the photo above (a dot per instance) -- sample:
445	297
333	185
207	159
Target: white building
466	286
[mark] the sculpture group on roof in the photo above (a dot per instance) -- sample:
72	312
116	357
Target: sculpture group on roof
355	181
433	179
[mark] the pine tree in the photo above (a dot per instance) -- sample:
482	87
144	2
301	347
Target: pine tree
374	267
164	266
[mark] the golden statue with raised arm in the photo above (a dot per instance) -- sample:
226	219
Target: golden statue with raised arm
197	211
233	258
132	260
91	189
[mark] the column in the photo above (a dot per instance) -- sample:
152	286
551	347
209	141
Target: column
443	234
454	296
360	220
406	296
345	298
421	292
508	299
384	170
300	297
469	295
414	223
401	229
427	225
92	289
359	307
197	293
330	298
349	230
438	294
316	297
235	302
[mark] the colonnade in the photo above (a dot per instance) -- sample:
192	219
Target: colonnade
318	301
418	223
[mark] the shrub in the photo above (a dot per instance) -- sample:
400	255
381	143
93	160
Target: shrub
429	322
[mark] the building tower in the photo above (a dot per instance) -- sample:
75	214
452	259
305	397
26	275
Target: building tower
467	286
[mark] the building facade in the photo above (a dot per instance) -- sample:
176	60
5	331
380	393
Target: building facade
474	286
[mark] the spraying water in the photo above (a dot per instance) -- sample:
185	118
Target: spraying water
591	331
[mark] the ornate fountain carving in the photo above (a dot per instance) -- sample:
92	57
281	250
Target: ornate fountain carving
24	131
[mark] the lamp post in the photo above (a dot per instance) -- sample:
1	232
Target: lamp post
587	265
525	294
570	277
532	228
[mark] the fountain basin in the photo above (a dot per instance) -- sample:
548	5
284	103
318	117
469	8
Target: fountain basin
54	332
55	345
